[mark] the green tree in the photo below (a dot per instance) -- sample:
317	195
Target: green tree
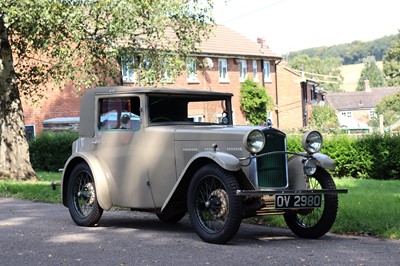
324	69
324	118
255	102
389	107
391	64
80	41
372	73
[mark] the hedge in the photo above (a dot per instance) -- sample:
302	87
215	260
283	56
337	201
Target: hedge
371	156
50	150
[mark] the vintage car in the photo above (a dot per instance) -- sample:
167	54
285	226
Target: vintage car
176	151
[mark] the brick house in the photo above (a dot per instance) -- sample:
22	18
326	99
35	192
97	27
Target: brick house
295	97
355	109
228	58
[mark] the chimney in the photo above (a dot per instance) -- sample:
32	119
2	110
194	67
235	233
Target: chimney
367	88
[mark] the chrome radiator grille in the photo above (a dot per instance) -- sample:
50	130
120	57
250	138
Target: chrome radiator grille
271	169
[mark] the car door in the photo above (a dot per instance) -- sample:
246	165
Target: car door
120	145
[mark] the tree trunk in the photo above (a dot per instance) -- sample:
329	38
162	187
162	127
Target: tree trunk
14	152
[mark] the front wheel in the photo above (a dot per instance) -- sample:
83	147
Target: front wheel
82	198
316	222
214	210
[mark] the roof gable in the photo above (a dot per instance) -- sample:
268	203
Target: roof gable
227	42
359	99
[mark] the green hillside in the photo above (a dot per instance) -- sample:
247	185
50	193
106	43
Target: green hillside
351	74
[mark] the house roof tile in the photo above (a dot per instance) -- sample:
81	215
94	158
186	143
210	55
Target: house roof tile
359	99
227	42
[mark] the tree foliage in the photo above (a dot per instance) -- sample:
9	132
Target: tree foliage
327	67
350	53
255	102
372	73
391	64
46	42
389	107
63	40
324	118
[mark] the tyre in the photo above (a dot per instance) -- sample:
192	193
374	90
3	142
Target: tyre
215	211
171	218
316	222
81	198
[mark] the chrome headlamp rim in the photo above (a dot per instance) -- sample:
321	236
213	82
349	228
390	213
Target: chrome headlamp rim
312	141
310	166
254	141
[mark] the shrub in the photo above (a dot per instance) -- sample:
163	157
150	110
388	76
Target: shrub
50	150
372	156
385	155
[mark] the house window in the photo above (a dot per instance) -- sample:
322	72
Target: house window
197	118
223	70
30	132
346	114
242	70
372	114
267	71
191	71
166	72
128	73
255	70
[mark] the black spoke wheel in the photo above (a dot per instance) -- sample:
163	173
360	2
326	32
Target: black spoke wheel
82	199
317	222
214	210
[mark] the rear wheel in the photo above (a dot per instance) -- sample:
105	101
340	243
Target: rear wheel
316	222
214	210
82	198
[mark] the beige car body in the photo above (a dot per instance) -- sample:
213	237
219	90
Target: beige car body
143	146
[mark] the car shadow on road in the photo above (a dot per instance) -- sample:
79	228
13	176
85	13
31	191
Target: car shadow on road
248	233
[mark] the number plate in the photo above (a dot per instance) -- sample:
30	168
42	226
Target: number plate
303	201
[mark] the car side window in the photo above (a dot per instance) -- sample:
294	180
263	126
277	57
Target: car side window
119	114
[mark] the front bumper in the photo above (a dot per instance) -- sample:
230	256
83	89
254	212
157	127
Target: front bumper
271	192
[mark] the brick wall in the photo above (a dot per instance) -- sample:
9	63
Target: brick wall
289	99
66	103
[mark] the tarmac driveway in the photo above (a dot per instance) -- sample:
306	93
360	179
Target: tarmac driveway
34	233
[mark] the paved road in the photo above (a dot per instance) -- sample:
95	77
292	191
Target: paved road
33	233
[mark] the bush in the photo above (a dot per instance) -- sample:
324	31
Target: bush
372	156
50	150
385	155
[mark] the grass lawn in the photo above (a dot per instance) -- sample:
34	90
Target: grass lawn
370	208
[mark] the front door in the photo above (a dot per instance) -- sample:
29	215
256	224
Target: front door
120	146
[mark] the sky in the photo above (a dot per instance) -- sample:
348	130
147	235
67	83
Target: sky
291	25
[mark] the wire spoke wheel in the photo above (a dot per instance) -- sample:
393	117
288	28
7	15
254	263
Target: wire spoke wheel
314	223
83	194
212	206
214	210
82	199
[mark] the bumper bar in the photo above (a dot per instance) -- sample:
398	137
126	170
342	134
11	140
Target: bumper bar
289	192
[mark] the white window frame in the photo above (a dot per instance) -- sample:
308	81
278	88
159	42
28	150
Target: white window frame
255	70
223	70
372	114
197	118
128	75
191	70
267	71
346	114
242	70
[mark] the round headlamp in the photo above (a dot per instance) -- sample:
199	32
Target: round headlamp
310	166
254	141
312	141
